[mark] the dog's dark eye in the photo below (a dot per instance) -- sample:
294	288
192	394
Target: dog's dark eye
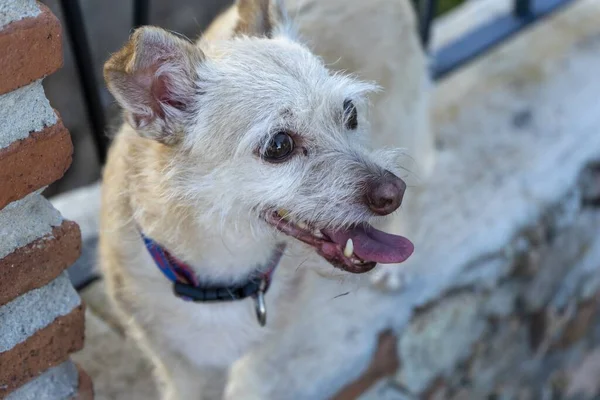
350	115
279	148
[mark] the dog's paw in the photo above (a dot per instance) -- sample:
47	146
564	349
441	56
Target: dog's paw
389	277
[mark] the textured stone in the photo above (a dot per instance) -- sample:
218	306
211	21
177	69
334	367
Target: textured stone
34	162
97	301
423	347
60	382
501	302
581	323
14	10
32	49
385	391
498	356
23	111
46	348
118	368
81	205
35	310
582	280
36	264
568	247
26	220
584	382
590	184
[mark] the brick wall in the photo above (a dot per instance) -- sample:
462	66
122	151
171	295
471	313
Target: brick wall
41	314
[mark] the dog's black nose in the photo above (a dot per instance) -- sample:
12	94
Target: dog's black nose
384	194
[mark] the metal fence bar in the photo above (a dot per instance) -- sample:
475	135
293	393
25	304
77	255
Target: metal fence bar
426	13
77	35
523	8
489	35
141	13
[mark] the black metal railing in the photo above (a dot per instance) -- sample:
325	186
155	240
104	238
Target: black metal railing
488	35
445	60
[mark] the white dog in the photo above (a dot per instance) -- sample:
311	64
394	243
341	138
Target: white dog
245	160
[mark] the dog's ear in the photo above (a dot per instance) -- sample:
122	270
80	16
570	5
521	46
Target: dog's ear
153	77
261	18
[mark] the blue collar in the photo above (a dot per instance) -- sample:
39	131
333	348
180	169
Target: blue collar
187	286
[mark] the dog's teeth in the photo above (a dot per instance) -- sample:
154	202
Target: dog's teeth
283	213
317	233
301	225
349	249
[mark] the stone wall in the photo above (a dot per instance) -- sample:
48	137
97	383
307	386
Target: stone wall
521	338
41	315
501	298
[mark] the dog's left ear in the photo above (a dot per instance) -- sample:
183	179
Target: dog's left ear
261	18
153	77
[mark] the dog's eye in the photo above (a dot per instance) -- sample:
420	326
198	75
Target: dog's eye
350	115
279	148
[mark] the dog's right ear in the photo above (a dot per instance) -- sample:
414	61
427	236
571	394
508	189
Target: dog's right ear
153	77
261	18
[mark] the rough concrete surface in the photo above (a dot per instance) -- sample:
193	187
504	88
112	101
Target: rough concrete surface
23	111
425	342
384	391
58	383
97	302
14	10
116	366
35	310
38	263
25	220
81	205
511	150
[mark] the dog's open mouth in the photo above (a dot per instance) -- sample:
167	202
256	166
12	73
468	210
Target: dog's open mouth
356	249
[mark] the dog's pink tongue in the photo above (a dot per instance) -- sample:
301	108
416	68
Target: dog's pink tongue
372	245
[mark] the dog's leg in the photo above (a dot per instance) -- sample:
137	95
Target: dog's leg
176	377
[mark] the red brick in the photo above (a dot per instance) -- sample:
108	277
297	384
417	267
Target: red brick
33	266
32	163
45	349
31	49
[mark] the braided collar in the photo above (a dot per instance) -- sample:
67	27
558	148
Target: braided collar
187	286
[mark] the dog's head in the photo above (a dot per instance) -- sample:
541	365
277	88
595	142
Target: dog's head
264	133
